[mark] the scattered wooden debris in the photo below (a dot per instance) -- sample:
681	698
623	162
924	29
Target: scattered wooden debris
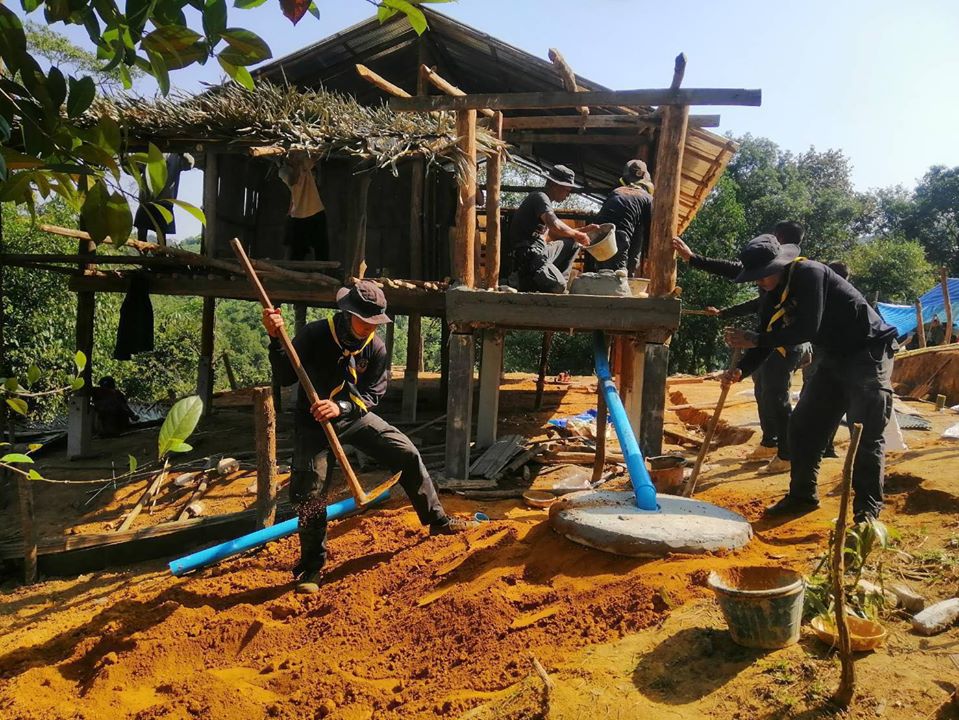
908	598
496	457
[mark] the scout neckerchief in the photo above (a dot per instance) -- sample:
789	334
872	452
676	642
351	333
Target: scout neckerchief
779	311
349	356
640	184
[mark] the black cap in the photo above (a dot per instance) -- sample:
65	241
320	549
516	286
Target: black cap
764	256
365	300
562	175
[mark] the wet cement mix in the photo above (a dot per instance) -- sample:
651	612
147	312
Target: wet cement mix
407	626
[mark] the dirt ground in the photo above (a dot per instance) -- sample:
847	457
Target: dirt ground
407	626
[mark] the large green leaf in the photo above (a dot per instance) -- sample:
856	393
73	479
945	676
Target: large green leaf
179	424
245	47
18	405
106	214
156	172
239	75
177	45
413	14
247	4
17	458
138	12
160	71
82	92
57	87
190	208
13	41
214	19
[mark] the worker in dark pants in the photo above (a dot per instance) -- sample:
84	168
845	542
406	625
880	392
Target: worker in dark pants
544	248
805	301
347	365
630	208
772	380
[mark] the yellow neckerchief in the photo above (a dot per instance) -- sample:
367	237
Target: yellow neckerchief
780	310
351	364
640	184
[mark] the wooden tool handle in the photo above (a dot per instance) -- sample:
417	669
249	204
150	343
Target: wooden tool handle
304	379
711	428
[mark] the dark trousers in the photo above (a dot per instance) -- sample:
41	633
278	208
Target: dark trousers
859	386
373	436
771	386
544	267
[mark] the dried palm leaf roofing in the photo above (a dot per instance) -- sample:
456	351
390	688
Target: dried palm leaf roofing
314	120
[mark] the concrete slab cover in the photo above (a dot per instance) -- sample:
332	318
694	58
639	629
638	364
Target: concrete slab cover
610	521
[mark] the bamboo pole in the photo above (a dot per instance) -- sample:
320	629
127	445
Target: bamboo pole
847	683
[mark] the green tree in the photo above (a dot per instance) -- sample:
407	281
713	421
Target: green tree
933	218
893	267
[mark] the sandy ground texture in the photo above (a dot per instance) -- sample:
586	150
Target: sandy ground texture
407	626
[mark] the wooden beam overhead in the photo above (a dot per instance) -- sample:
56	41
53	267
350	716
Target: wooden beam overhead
381	82
447	87
519	138
553	99
549	122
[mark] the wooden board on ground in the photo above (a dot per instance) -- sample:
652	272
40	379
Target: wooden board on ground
497	456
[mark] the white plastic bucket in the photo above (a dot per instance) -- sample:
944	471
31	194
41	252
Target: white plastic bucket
602	244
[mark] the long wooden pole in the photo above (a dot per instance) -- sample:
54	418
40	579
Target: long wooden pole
710	430
847	681
494	172
362	499
264	426
944	280
465	235
920	326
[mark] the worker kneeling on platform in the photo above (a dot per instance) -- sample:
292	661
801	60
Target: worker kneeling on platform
806	301
347	364
544	247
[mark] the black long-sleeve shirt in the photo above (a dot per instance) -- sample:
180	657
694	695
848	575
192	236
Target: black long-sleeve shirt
630	209
328	367
821	308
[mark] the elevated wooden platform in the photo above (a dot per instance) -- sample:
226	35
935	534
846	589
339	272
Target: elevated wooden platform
649	319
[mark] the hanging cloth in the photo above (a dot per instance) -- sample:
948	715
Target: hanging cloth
348	362
779	311
135	329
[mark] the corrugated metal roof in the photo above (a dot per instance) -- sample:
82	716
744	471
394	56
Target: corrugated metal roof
479	63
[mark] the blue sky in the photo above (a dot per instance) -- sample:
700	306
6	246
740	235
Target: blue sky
877	79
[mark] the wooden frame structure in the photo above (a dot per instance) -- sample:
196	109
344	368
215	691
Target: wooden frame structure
599	129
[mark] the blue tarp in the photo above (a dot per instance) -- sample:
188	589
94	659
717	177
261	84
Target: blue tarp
903	317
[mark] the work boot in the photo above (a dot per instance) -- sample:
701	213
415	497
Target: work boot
762	452
775	466
792	506
452	526
309	582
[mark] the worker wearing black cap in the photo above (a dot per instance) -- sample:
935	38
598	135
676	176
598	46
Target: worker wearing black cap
630	208
543	246
806	301
347	364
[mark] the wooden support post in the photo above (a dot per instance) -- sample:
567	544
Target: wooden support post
204	383
417	183
463	264
654	371
543	365
920	327
491	366
356	224
444	359
264	428
80	413
228	366
599	464
634	360
944	280
494	172
414	350
459	406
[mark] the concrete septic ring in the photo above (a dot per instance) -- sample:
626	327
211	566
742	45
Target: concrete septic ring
610	521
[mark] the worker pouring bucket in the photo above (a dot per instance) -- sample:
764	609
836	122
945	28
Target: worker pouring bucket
602	242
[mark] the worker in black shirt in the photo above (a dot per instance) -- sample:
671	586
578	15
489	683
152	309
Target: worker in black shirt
347	364
806	301
543	246
630	208
772	380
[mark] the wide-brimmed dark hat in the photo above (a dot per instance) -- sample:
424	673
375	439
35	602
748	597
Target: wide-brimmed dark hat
562	175
365	300
763	256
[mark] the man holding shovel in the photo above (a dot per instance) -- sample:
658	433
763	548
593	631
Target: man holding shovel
806	301
347	365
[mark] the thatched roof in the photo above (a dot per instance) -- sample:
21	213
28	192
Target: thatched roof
317	121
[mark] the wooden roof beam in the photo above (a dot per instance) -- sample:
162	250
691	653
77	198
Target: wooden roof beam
381	82
548	122
568	76
447	87
519	138
549	100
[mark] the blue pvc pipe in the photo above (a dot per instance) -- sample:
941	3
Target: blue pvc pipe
261	537
635	463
